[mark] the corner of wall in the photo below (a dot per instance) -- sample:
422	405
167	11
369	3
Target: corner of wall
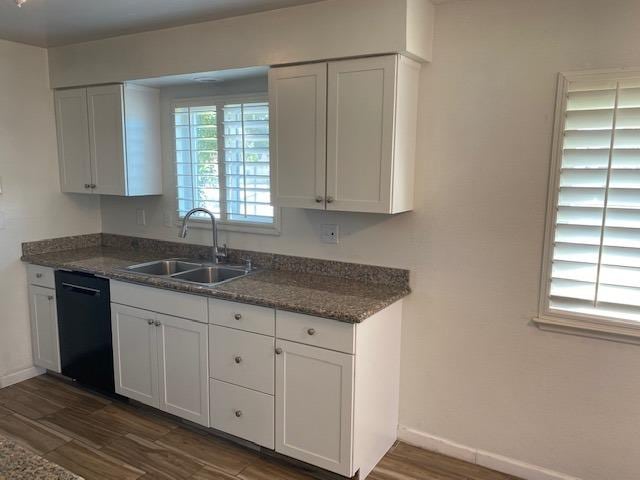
420	21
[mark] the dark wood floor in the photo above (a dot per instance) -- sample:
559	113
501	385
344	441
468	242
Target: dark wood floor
98	438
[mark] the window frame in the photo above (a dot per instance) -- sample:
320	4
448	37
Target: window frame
224	225
597	326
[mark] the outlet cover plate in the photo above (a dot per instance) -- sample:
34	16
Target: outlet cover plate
329	233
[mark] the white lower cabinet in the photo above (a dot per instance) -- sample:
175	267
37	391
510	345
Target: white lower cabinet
242	412
183	368
314	402
317	390
44	328
135	354
161	361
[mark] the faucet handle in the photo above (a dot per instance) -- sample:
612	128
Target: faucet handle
221	252
248	266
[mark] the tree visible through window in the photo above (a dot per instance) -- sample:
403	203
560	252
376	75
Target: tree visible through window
222	159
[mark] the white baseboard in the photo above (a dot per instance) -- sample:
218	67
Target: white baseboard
20	376
486	459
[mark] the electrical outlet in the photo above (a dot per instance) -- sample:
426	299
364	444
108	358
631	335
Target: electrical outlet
141	216
329	233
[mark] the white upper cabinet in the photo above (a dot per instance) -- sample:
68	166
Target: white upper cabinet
344	134
109	140
73	140
298	102
106	137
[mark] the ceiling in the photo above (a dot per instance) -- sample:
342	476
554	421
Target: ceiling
50	23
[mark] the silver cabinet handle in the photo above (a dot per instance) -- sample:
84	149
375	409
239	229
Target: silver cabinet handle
49	297
157	323
278	351
329	199
238	359
311	331
38	275
237	316
150	321
319	199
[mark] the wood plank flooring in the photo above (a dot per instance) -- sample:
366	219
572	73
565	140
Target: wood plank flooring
103	439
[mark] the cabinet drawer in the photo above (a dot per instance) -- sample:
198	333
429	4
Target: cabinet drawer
157	300
41	276
316	331
242	358
242	412
242	316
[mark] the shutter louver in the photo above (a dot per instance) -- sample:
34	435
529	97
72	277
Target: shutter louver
596	252
222	160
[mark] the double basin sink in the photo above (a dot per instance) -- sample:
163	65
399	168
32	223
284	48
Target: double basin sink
190	271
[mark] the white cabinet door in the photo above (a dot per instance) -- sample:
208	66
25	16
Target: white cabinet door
106	135
297	102
360	126
314	404
135	353
72	128
184	368
44	328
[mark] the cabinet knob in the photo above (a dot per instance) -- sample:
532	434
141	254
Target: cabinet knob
157	323
238	359
150	322
50	297
318	199
87	185
38	275
278	351
93	185
238	413
311	331
329	199
237	316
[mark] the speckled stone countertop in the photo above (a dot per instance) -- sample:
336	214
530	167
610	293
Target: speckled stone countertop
334	297
17	463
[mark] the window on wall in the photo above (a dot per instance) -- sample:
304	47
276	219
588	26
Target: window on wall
592	264
222	159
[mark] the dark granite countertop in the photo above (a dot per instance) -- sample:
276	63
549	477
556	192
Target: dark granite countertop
338	298
18	463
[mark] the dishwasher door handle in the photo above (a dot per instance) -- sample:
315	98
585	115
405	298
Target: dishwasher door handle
83	290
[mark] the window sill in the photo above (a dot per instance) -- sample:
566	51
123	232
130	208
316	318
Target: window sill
612	330
254	228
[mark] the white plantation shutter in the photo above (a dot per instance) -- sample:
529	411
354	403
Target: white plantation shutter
222	158
595	254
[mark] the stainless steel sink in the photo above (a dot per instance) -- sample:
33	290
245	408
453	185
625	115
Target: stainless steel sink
190	271
210	275
163	267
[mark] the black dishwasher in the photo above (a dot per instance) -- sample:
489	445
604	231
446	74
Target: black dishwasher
84	326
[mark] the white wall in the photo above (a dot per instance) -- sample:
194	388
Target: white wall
475	370
31	203
316	31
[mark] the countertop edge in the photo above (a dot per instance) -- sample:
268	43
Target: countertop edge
210	292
